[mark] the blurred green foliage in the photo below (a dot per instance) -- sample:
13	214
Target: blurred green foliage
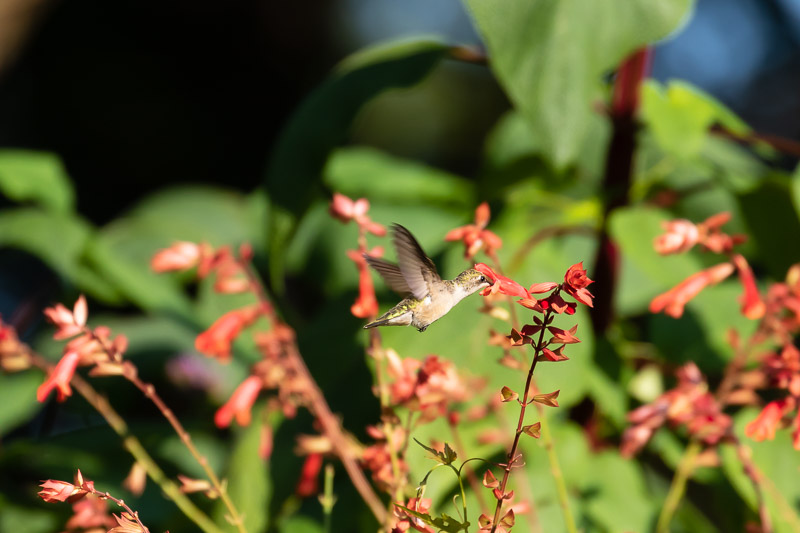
542	170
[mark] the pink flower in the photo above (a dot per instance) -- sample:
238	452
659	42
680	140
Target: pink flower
181	255
58	491
681	236
674	300
69	323
59	379
344	209
476	236
216	341
240	403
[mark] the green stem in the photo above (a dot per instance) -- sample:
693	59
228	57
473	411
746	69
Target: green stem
328	499
678	486
555	471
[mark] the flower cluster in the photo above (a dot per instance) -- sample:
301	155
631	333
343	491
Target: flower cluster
183	255
475	236
682	235
779	368
89	506
345	210
689	404
548	343
88	347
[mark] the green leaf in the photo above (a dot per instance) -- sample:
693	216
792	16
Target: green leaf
549	56
248	478
365	172
18	398
681	115
446	457
444	523
322	122
40	177
58	239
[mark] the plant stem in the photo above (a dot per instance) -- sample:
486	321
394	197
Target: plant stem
512	455
328	499
555	470
319	407
135	448
678	486
471	478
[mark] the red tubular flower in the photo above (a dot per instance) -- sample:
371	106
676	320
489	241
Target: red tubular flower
681	236
501	283
59	379
69	323
752	305
768	420
58	491
674	300
216	341
476	236
344	209
240	403
308	485
181	255
366	305
575	283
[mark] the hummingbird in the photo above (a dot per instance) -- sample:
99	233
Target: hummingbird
428	297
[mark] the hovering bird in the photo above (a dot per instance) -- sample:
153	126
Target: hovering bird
428	297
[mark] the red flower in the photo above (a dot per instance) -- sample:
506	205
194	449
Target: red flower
240	403
60	378
476	236
366	305
181	255
501	283
307	485
58	491
575	283
681	236
216	341
768	420
561	336
752	305
674	300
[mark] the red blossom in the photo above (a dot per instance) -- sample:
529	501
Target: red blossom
674	300
366	305
681	235
308	484
561	336
476	236
575	283
60	377
216	341
240	403
501	283
752	305
769	420
90	512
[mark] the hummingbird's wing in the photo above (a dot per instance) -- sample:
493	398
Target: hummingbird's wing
390	273
417	269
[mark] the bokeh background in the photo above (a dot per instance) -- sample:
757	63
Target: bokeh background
165	116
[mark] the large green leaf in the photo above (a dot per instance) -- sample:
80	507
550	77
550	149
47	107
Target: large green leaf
18	398
248	478
40	177
358	172
680	116
549	56
322	123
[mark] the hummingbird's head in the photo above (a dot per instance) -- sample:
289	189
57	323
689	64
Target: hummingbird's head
471	281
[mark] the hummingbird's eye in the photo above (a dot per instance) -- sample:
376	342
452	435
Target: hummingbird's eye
484	279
